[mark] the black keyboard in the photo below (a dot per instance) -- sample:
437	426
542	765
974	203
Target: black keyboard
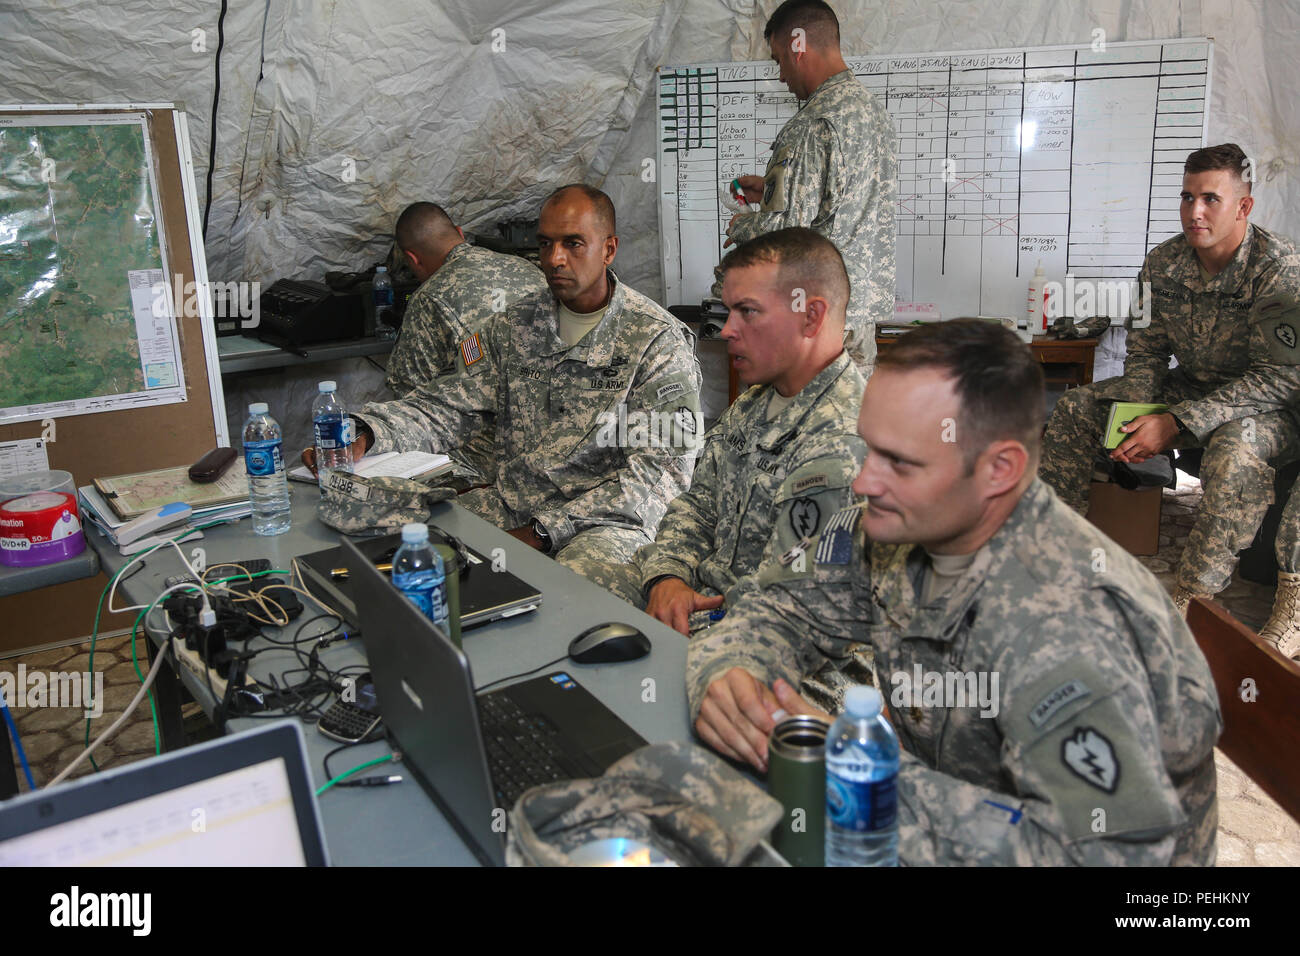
523	750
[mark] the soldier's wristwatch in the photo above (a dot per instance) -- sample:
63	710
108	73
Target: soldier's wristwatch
540	531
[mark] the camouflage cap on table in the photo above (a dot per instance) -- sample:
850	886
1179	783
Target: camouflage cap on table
355	504
676	797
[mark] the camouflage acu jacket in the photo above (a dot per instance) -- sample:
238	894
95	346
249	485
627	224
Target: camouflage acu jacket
833	170
1234	363
1053	707
761	487
602	433
470	287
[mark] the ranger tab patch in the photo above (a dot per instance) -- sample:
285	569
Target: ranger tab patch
471	350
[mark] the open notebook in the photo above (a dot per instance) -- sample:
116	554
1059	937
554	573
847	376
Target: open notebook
392	464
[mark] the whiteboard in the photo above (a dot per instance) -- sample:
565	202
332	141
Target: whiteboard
1066	155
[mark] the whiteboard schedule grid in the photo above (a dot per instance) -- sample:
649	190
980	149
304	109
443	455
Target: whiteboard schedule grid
1064	155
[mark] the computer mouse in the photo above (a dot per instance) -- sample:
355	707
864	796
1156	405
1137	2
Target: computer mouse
609	643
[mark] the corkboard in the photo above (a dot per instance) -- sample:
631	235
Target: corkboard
116	442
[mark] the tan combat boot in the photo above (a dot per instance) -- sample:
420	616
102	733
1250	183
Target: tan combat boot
1283	626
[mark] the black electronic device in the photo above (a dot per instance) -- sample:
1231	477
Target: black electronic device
356	720
298	312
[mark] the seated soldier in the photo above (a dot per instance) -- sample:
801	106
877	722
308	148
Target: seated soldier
1094	743
548	374
1232	393
780	460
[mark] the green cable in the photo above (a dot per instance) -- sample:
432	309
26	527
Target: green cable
94	634
135	661
347	773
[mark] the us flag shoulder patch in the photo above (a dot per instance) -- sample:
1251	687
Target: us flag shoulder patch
471	350
836	543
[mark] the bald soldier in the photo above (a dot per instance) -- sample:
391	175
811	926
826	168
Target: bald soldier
1233	392
832	167
553	376
461	287
780	461
1051	704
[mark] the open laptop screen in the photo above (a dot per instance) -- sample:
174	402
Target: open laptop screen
244	800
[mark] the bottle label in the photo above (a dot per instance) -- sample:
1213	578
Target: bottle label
420	597
383	297
333	432
861	805
262	459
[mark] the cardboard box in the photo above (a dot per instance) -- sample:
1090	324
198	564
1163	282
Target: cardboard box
1131	518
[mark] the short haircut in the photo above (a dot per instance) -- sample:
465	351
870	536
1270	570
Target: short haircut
817	19
603	205
806	259
1227	156
422	226
997	380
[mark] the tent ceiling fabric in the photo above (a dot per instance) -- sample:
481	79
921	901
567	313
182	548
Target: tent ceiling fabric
486	105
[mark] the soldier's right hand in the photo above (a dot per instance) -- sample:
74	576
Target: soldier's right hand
673	601
359	446
752	187
736	717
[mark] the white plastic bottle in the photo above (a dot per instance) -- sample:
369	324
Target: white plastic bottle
382	290
1037	306
268	486
332	430
419	574
862	784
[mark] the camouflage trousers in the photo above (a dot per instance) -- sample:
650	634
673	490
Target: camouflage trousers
586	550
1236	475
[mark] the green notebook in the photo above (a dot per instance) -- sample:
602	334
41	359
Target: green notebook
1121	413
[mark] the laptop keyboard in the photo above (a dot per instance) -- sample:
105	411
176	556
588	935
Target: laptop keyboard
523	750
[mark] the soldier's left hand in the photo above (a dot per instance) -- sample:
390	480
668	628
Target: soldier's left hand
673	601
1147	435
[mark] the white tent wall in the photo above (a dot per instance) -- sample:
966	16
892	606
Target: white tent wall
486	105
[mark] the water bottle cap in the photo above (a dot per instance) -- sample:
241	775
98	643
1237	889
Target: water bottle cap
328	386
381	268
258	408
863	701
414	533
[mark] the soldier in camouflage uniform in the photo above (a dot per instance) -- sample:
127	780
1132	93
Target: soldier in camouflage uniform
461	287
564	479
1234	391
776	466
832	167
1096	745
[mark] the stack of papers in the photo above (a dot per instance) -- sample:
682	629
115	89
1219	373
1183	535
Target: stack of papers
392	464
96	510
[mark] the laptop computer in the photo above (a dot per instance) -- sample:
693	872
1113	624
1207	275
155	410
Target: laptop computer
485	594
242	800
474	755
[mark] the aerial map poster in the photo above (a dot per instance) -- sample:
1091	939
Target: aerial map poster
86	322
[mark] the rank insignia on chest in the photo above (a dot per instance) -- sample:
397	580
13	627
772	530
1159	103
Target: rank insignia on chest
471	350
836	544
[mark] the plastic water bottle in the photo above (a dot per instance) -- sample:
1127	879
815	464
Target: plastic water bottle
382	290
268	486
1038	297
418	573
862	784
333	432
